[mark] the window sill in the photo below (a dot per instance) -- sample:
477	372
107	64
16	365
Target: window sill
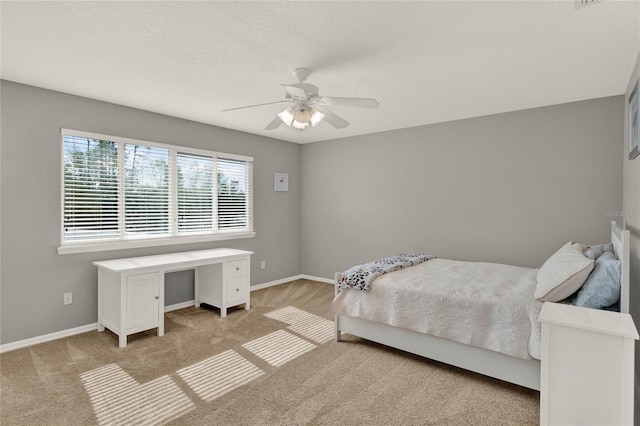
151	242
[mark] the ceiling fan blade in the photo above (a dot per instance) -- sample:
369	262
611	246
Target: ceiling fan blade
274	124
354	102
295	91
332	118
256	105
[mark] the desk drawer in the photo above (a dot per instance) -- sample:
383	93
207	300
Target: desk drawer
236	268
236	290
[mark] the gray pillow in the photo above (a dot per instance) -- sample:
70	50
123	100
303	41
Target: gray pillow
593	252
602	288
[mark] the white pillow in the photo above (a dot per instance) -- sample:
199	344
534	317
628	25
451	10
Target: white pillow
563	273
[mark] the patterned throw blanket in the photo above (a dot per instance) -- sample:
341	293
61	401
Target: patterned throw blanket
360	277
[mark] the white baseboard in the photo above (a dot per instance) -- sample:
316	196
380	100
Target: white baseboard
47	337
289	279
180	305
321	279
94	326
276	282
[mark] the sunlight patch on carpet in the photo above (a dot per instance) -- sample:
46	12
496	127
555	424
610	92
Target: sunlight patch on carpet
279	347
219	374
311	326
118	399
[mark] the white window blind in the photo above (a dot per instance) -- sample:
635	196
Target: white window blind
90	189
146	193
122	189
195	193
233	194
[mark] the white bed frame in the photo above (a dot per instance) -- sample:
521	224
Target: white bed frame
484	361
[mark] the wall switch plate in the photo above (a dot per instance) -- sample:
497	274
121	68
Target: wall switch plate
263	264
67	298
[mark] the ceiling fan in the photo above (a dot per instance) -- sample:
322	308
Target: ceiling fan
307	107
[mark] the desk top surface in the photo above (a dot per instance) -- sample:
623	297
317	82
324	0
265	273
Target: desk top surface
173	259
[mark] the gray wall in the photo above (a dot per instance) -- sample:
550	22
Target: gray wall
509	188
506	188
631	217
34	276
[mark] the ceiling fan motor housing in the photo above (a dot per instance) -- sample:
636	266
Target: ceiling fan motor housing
301	74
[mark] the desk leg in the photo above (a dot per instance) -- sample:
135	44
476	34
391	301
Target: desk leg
161	306
122	340
223	312
247	305
196	286
100	291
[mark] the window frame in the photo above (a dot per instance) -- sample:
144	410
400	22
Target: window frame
173	237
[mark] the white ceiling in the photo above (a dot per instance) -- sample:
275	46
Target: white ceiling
425	62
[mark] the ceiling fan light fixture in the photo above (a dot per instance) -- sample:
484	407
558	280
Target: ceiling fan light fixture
301	117
298	125
316	117
287	116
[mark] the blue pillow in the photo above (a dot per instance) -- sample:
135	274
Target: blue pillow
602	287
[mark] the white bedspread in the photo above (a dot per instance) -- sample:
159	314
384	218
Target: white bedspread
535	341
479	304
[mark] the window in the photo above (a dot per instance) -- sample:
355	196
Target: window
116	191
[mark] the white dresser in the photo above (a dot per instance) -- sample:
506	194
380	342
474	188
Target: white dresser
586	366
131	291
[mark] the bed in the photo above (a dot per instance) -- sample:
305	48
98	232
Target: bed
502	358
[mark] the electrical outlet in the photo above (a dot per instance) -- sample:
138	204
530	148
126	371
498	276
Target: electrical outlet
67	298
263	264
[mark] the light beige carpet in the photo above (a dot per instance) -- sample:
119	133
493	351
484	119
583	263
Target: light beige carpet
275	364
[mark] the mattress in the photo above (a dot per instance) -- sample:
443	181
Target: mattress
475	303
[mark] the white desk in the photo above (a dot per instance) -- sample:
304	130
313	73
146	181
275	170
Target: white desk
131	291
